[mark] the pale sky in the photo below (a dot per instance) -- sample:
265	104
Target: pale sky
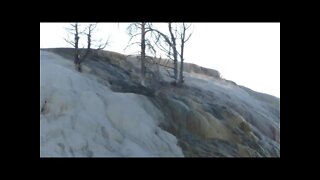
246	53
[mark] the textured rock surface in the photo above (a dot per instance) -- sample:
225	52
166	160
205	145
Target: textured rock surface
209	116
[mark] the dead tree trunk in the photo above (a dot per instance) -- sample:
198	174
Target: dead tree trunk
181	65
143	51
76	47
76	43
175	53
183	41
88	50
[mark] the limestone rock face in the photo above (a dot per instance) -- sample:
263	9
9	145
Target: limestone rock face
106	111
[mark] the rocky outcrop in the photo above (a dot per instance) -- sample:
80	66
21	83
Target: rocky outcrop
193	68
209	118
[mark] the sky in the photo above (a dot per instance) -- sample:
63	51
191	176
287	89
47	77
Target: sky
246	53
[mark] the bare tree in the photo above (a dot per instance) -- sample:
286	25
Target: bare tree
167	43
96	44
175	53
170	47
140	29
88	31
183	39
74	30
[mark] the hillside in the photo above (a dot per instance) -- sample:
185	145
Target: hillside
105	111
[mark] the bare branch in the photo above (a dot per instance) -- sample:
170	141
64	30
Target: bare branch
132	28
160	46
102	46
69	29
133	36
150	45
131	45
188	37
93	26
187	27
163	35
70	42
